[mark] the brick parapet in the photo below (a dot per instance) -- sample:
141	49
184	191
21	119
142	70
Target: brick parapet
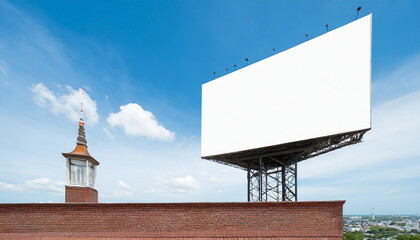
175	220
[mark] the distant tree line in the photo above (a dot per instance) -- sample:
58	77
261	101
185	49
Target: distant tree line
378	232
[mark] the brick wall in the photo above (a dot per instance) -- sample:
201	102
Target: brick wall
81	195
283	220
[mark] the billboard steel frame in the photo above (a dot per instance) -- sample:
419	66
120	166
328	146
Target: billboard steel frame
273	176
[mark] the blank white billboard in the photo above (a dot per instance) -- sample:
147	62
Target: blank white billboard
318	88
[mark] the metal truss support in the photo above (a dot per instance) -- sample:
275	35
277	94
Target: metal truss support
272	174
277	183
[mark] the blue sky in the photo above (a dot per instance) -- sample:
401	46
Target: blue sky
150	58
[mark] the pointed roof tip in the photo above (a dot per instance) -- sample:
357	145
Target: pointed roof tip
81	138
81	148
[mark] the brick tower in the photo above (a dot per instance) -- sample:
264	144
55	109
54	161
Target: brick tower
81	172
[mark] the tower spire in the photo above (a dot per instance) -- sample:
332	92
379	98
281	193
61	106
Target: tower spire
81	122
81	138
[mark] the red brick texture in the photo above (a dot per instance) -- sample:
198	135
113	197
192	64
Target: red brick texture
262	220
81	195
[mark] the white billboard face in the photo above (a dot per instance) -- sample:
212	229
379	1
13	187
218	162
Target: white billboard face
318	88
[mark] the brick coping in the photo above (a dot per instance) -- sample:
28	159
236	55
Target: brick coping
186	204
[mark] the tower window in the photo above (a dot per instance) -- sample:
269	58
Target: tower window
77	172
91	175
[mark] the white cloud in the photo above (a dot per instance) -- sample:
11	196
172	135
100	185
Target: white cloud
123	185
41	184
122	190
3	71
66	104
175	185
4	186
108	133
217	180
137	122
403	78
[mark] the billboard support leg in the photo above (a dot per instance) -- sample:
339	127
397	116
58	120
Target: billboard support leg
283	181
260	185
296	181
290	186
277	184
249	183
266	186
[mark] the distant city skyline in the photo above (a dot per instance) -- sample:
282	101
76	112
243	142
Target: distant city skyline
142	65
384	227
